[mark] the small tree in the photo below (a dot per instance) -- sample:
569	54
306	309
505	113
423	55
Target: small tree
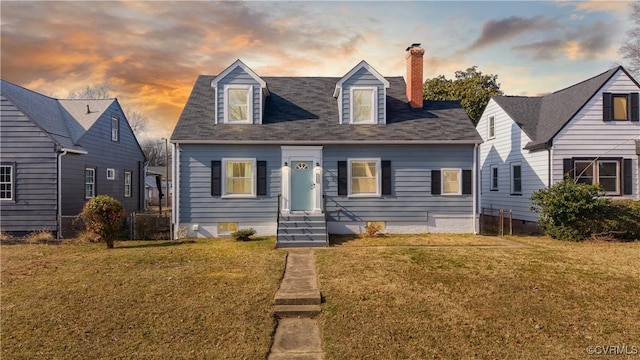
570	210
103	216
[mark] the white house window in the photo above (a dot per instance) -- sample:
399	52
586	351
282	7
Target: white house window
89	183
620	107
127	184
492	127
363	105
238	104
516	179
111	174
451	181
6	182
603	172
364	177
115	127
239	177
494	177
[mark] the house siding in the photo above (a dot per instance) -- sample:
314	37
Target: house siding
124	155
32	153
503	151
362	77
239	77
587	135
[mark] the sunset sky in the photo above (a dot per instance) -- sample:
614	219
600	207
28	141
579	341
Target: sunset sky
151	52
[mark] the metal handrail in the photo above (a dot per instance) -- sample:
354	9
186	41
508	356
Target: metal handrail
278	219
324	210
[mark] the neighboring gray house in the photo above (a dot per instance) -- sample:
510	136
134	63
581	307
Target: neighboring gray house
588	131
157	175
303	156
56	154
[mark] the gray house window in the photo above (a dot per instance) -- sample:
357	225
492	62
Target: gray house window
492	127
89	183
516	179
6	182
494	177
115	129
127	184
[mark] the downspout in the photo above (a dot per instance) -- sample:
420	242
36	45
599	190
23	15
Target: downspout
59	212
474	188
549	165
175	163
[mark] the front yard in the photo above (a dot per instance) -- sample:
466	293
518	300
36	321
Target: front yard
214	299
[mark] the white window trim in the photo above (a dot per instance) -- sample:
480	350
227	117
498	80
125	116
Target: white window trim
249	89
595	179
115	131
130	178
111	174
254	170
11	182
491	184
378	192
374	103
93	188
491	126
442	171
513	192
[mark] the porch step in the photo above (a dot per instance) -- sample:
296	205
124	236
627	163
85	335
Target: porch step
302	230
304	311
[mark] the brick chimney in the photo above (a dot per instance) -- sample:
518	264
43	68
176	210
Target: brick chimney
415	92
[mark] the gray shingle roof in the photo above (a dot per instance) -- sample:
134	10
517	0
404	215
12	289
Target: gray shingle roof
542	117
303	110
64	120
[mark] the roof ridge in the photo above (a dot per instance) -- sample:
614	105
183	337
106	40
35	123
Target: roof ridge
584	81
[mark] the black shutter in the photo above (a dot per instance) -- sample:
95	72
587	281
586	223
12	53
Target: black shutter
261	182
342	178
627	173
606	107
567	168
635	108
466	182
386	177
436	187
216	174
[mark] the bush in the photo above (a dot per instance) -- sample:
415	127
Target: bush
570	211
243	234
39	237
103	216
372	230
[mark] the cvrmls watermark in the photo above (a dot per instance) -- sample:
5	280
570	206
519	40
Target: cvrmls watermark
612	350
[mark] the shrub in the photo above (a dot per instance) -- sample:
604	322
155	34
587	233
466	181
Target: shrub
570	211
39	237
621	220
372	230
103	216
243	234
6	237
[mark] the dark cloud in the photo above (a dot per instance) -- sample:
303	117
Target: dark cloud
495	31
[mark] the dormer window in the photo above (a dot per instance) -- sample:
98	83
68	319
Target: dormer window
363	105
238	104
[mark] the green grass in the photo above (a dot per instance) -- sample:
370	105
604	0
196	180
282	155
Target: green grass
143	300
414	240
547	301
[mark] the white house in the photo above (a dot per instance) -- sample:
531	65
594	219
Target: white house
588	131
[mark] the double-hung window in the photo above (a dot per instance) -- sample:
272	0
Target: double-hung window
492	127
620	107
115	129
364	177
363	109
127	184
6	182
494	177
239	177
451	181
238	104
603	172
89	183
516	179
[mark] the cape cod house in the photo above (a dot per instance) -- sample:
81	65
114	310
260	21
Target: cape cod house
56	154
588	131
301	157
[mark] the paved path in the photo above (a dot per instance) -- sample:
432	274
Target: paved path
297	302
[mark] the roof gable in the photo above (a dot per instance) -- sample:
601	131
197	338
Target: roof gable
362	65
245	68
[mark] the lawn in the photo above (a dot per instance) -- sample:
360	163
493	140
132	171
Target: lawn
142	300
550	300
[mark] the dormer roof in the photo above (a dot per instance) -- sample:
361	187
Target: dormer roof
366	66
245	68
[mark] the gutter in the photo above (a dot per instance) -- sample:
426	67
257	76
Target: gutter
329	142
474	189
175	164
62	152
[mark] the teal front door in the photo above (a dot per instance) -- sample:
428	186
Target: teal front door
302	186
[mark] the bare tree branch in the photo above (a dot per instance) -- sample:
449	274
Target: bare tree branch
630	49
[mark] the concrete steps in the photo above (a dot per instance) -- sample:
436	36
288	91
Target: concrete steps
302	230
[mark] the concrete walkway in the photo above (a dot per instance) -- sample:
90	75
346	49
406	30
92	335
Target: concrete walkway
297	302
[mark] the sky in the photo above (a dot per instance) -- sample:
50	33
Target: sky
151	52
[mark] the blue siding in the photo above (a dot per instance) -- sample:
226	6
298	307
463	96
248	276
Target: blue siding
239	77
411	198
199	206
362	77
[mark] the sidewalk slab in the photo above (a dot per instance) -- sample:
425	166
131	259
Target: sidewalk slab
297	339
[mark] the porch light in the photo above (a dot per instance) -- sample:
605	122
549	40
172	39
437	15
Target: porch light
286	164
